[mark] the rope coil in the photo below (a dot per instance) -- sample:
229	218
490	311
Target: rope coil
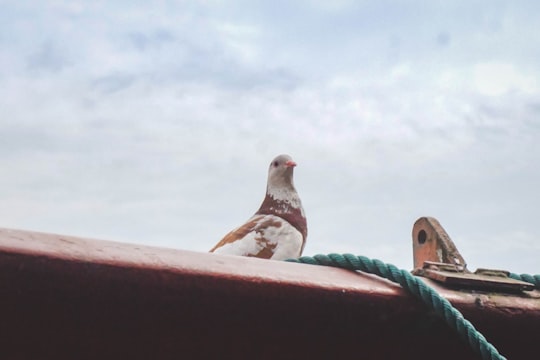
417	288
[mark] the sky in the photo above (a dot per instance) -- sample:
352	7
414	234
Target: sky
155	122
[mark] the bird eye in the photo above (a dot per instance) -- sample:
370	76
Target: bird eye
275	164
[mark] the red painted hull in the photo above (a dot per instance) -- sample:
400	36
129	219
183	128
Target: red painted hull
63	297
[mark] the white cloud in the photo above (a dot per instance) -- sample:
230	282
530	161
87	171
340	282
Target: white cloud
495	79
242	39
143	124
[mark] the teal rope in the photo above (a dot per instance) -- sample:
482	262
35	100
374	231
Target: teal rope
533	279
416	287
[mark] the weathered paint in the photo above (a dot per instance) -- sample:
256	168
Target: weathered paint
437	257
63	297
432	243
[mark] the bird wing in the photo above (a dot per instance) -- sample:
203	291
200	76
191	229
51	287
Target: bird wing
262	236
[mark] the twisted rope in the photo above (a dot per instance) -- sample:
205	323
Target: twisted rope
533	279
416	287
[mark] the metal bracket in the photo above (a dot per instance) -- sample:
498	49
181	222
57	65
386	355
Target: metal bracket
436	257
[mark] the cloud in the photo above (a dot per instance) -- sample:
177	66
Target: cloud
155	124
156	38
495	79
47	58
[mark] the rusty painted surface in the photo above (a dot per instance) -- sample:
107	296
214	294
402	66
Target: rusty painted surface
437	257
481	279
63	297
432	243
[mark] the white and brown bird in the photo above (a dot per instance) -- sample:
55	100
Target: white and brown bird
278	230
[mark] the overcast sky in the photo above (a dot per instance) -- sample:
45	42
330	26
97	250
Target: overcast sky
154	122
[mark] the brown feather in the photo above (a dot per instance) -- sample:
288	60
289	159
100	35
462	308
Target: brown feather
282	201
254	225
293	215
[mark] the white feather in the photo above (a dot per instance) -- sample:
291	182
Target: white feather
287	238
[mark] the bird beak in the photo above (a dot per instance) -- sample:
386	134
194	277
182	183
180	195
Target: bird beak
290	163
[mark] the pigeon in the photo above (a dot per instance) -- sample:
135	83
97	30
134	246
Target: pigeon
278	230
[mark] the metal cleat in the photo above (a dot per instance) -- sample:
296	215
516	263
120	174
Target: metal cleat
436	257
